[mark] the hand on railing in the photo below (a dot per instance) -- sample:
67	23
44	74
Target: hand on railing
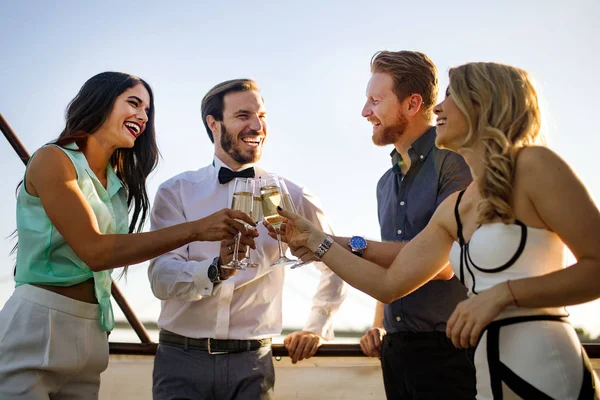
371	343
302	345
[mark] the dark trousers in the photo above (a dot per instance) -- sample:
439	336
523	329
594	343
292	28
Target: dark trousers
182	373
426	366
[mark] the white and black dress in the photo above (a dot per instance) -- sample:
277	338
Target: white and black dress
529	353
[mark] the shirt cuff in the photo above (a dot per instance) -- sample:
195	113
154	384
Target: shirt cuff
200	277
320	324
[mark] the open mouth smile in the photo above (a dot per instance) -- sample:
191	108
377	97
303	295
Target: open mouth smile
252	141
134	128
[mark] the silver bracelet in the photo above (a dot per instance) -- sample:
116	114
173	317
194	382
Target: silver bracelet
323	247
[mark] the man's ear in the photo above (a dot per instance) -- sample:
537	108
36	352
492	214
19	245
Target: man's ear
414	103
213	125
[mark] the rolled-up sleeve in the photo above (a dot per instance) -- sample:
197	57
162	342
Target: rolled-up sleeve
172	275
331	290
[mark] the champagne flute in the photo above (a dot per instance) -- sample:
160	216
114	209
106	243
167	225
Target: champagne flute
271	198
257	216
288	205
243	199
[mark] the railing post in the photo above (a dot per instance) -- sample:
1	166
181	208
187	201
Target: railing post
14	141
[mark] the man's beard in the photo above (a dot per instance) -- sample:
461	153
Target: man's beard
391	134
229	144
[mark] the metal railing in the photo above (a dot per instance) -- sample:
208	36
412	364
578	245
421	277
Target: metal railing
326	350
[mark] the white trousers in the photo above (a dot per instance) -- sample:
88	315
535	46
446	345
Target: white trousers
51	347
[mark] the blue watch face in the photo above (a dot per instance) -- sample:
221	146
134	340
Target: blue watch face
358	243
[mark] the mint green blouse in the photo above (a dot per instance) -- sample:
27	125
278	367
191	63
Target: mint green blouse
43	255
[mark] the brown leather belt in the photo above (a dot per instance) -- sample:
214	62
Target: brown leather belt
213	346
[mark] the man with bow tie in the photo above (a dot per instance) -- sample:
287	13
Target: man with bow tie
216	328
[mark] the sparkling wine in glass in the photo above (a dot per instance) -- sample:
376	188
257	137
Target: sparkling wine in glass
257	216
271	198
288	205
243	200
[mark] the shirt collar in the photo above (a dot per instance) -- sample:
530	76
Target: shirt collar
217	163
419	149
113	183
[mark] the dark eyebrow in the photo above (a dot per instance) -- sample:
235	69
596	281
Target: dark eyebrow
139	101
136	98
246	112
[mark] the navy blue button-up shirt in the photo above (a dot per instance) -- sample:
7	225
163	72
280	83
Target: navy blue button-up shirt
405	205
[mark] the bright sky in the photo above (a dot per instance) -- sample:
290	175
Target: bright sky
311	59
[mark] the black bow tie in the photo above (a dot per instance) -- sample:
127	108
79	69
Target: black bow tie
226	175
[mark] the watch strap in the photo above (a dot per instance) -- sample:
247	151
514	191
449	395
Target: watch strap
357	252
216	263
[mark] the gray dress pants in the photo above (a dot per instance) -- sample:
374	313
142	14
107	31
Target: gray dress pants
193	374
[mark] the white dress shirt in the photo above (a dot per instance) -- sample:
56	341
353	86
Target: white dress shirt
247	305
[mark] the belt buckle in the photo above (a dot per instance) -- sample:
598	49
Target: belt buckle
214	352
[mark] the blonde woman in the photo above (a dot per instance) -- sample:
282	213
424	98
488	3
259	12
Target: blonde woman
505	236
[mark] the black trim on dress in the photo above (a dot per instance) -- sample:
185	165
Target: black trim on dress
501	373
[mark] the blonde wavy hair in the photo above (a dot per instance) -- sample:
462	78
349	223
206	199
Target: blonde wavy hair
501	106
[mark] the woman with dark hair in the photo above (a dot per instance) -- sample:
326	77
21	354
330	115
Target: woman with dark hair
72	225
505	237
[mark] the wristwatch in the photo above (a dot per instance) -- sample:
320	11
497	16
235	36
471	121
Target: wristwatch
323	247
213	270
357	245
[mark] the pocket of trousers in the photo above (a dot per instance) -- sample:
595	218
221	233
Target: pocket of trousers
7	315
63	335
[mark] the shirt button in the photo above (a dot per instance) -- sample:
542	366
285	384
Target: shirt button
399	231
398	319
421	156
401	203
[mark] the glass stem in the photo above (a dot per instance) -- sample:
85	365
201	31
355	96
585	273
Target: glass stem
236	247
281	253
248	249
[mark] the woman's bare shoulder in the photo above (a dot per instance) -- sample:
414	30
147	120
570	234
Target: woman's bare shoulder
50	163
537	158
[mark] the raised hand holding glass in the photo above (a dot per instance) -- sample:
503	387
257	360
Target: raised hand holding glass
243	199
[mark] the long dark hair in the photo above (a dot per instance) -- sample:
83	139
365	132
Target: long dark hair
85	115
